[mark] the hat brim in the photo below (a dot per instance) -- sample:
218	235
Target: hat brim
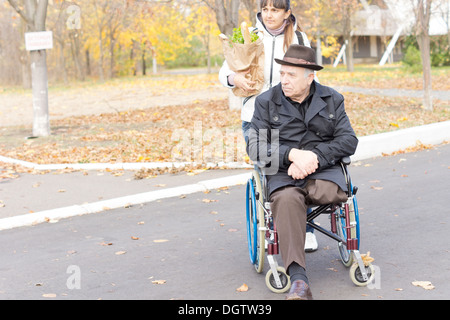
307	66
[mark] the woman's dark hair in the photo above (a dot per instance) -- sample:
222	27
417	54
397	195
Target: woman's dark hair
289	32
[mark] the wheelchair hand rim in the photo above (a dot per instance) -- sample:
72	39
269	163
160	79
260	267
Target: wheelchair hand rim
251	225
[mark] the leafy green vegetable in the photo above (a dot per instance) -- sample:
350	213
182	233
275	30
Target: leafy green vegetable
238	38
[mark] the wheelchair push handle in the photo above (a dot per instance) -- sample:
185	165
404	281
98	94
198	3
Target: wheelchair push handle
346	161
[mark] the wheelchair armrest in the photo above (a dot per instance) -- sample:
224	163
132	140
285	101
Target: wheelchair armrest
346	161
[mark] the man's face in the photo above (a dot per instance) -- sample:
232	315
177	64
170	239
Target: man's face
294	83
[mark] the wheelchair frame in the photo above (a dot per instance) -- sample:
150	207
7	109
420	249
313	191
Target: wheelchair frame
263	238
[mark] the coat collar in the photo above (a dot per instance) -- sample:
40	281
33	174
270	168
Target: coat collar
317	102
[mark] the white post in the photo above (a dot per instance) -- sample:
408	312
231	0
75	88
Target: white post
340	55
391	46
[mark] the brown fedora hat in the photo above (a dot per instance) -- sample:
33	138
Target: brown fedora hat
300	56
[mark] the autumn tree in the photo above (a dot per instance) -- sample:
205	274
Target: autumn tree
253	7
422	11
202	25
343	12
34	14
227	14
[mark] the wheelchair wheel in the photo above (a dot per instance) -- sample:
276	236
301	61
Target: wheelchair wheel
357	279
346	255
284	278
255	223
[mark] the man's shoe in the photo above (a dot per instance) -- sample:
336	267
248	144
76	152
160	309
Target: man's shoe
310	242
299	291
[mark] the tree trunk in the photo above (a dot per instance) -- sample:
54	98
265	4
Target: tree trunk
100	64
62	73
423	38
41	122
35	15
349	53
75	50
88	62
348	36
227	17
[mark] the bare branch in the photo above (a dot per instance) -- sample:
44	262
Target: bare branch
22	14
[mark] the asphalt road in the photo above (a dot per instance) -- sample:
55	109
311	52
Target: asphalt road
195	247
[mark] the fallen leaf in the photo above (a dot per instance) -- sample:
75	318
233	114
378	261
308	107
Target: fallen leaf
427	285
160	240
118	253
49	295
159	281
134	238
367	259
209	200
243	288
48	220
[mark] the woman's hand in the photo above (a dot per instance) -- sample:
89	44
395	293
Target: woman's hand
241	82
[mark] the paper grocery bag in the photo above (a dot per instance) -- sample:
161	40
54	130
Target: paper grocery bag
245	57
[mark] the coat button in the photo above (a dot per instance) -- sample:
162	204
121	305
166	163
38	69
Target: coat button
331	116
275	118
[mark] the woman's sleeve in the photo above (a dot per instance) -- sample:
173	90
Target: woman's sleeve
223	75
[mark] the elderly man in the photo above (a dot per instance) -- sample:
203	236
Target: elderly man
299	132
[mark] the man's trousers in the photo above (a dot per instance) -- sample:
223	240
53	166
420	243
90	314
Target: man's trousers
289	208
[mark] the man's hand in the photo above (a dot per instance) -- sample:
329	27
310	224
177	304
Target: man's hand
303	163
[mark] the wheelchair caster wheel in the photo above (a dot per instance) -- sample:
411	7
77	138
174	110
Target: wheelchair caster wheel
284	278
356	276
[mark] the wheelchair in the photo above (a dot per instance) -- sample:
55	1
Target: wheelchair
263	239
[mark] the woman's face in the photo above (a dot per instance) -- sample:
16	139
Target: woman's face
273	18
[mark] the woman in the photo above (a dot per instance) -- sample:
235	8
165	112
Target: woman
279	30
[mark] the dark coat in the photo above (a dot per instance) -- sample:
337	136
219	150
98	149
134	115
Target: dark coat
325	130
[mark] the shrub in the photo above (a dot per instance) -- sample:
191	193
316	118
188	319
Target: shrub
412	59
